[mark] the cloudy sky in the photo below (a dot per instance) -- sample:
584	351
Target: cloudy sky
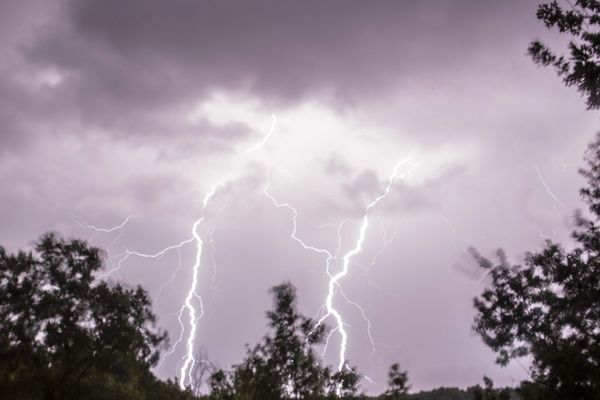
113	108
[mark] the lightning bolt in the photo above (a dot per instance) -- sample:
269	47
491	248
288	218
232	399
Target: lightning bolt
188	364
555	198
386	241
295	223
188	306
120	228
266	137
81	222
192	299
334	280
179	316
555	201
192	309
84	225
365	318
130	253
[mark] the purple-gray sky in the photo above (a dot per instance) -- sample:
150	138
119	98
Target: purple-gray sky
115	108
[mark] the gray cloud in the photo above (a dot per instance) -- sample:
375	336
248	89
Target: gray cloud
126	65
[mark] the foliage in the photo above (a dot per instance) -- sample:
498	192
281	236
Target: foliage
549	307
580	19
284	364
488	392
397	382
442	394
64	335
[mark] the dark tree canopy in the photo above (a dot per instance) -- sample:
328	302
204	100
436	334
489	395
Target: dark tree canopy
488	392
397	382
580	19
284	365
549	307
64	335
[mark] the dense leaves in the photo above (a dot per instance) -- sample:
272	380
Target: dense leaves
284	365
488	392
66	335
63	335
549	307
397	382
580	19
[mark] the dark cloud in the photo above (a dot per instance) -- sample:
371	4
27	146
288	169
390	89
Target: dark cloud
128	64
133	69
283	48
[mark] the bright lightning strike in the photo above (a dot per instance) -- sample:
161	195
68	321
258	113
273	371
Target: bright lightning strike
192	296
266	137
334	279
386	240
192	309
295	223
365	318
358	247
188	361
188	364
84	225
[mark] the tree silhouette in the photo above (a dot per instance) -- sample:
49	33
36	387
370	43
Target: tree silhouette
221	387
549	307
580	19
284	364
397	383
64	335
488	392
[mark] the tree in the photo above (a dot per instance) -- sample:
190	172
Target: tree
397	382
343	384
284	364
64	335
549	307
580	19
221	387
201	371
488	392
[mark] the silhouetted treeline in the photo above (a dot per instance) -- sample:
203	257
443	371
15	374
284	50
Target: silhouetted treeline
66	335
548	307
439	394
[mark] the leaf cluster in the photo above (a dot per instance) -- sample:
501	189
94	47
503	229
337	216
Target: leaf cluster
65	335
580	19
549	307
284	364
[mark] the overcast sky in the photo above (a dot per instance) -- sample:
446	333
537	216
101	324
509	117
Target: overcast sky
114	108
